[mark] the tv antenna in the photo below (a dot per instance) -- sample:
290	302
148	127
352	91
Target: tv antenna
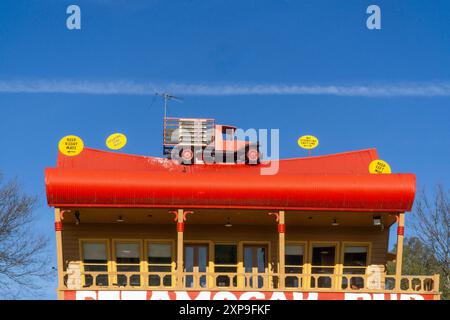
168	97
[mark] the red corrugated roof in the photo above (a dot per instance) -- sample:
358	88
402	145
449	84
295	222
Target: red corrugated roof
339	182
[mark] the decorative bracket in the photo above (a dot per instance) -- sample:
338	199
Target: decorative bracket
62	212
175	213
396	215
400	229
186	213
281	225
178	215
276	214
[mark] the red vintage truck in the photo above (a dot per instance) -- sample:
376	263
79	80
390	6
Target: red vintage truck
193	140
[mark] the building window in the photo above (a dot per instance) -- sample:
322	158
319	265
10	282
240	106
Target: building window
159	259
225	261
323	265
294	260
256	265
355	263
196	262
95	261
128	259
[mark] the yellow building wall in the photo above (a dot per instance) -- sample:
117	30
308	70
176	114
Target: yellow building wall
218	233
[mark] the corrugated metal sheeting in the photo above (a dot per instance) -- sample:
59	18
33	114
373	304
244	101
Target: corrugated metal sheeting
338	182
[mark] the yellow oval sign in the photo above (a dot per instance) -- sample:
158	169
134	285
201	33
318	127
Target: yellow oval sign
379	166
116	141
71	145
308	142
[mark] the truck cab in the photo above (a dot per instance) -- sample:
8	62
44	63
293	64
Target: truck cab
192	141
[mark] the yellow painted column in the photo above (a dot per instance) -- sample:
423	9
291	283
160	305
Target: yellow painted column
59	253
240	267
399	258
180	218
436	287
180	247
281	248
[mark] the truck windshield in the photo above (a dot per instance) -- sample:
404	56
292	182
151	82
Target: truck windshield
228	134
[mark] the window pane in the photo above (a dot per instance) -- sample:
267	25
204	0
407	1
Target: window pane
261	256
202	259
225	254
159	268
95	268
323	256
294	255
355	256
225	269
159	253
122	268
296	250
323	270
294	269
248	259
354	270
94	252
128	252
189	259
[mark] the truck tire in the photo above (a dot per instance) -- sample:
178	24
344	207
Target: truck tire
252	156
187	156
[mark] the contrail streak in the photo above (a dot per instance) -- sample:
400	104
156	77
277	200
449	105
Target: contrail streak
424	89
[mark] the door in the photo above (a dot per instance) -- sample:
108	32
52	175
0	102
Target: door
323	264
196	265
255	266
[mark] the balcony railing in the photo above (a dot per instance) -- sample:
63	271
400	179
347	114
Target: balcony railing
250	282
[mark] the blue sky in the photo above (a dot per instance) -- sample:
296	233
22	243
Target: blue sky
270	45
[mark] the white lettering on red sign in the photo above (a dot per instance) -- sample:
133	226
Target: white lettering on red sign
237	295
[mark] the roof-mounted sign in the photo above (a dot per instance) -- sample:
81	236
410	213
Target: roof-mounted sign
71	145
308	142
379	167
116	141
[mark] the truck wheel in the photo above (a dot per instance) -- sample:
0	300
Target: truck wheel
187	156
252	156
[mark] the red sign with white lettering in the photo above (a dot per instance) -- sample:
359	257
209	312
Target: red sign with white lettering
238	295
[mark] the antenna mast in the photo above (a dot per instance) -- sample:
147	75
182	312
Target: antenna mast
167	97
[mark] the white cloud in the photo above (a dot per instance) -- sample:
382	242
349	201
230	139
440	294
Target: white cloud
431	89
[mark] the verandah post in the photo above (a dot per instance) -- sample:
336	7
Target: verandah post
399	253
180	218
180	247
59	253
281	248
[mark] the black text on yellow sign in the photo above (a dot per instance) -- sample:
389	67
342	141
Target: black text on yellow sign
379	167
116	141
308	142
71	145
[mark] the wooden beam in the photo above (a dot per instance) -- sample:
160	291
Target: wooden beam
180	247
59	253
281	248
399	253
